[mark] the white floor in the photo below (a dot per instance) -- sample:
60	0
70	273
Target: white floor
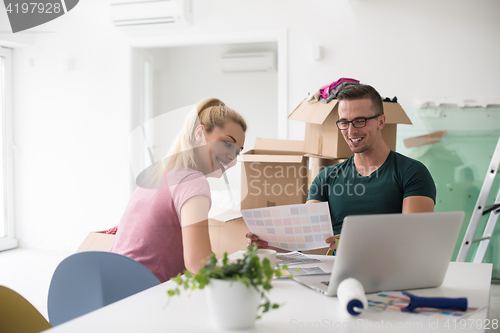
28	272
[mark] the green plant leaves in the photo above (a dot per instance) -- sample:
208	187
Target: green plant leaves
248	270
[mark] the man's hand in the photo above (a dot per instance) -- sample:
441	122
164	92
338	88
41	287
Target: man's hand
254	239
331	241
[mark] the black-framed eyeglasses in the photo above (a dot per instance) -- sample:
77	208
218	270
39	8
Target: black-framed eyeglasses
358	122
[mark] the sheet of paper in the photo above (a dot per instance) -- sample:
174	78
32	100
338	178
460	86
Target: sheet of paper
300	271
291	227
306	271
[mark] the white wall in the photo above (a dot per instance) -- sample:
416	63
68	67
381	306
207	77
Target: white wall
411	49
9	39
185	75
71	127
188	74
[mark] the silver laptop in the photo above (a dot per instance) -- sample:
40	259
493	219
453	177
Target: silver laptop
392	252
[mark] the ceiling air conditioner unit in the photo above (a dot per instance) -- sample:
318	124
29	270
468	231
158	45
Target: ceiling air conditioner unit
248	62
125	13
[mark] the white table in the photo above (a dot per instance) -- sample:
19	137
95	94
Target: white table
303	310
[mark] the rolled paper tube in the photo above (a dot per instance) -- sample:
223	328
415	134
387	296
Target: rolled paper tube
351	294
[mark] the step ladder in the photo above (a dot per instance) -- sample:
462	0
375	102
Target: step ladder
480	210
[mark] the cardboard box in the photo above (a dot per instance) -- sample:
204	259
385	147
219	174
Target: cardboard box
322	136
96	241
321	251
274	173
228	236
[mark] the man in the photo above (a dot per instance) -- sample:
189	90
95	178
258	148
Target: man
375	180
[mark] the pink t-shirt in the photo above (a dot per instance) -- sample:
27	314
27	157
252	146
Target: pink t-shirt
150	230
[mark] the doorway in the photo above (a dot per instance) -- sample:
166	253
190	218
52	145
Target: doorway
168	78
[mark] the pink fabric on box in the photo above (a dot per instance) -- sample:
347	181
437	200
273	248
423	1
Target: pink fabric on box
150	230
111	231
325	92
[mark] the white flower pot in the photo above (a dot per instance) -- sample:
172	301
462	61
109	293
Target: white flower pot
232	304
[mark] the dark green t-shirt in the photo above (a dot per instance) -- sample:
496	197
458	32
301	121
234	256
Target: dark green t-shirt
382	192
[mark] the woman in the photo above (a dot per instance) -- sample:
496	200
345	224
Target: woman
166	227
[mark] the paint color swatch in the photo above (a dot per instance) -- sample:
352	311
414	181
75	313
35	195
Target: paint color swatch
316	270
395	301
292	227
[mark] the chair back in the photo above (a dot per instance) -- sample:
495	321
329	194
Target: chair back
87	281
18	315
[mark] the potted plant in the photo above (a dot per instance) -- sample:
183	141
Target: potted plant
236	290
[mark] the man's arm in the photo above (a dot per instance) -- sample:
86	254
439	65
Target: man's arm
418	204
420	194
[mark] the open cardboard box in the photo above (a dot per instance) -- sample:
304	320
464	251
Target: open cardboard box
228	230
274	173
279	172
323	138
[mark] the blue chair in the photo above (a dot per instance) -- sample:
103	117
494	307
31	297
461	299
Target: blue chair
87	281
18	315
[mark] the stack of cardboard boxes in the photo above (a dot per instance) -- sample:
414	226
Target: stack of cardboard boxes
274	173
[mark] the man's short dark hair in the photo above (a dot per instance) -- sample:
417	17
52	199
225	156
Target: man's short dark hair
362	91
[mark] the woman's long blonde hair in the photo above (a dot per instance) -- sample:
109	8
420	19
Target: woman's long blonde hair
210	113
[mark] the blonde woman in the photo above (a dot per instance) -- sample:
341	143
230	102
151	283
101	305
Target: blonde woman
166	228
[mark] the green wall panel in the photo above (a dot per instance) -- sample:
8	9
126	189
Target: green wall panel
458	165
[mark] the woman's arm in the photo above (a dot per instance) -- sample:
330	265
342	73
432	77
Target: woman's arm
195	237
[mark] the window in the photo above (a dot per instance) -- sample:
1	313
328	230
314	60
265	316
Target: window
7	240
